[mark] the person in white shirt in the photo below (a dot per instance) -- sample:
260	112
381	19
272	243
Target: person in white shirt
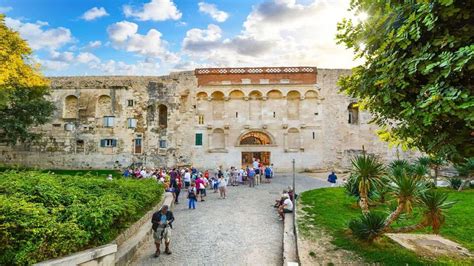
286	207
187	178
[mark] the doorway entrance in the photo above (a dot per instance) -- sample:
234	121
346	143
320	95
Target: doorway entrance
263	156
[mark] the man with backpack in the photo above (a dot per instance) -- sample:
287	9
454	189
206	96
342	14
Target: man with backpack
162	221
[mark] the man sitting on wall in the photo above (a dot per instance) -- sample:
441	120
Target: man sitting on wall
162	224
286	207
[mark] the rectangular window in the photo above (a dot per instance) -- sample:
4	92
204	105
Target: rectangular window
198	141
69	127
236	114
162	144
138	145
132	123
274	114
130	103
284	81
314	135
264	81
108	121
108	143
246	81
201	119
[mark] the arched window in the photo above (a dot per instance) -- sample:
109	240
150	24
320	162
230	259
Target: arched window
71	107
293	103
274	94
218	139
217	105
293	138
163	116
353	111
201	96
104	106
236	94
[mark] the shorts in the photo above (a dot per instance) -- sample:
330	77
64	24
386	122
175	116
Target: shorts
268	176
215	186
157	236
257	171
202	191
285	210
186	184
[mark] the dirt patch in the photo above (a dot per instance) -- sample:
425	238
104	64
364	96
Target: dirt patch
315	247
431	245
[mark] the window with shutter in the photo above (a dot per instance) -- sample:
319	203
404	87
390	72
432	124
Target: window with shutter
132	123
198	141
108	121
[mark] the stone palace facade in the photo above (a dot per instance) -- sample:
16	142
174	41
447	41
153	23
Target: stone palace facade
207	118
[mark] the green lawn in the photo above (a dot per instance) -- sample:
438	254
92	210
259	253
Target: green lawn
331	209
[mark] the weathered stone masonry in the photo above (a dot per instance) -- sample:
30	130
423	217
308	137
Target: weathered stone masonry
209	117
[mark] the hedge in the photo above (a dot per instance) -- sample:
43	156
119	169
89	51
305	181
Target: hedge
44	215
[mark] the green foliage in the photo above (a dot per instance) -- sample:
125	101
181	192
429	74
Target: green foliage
22	90
367	170
434	203
454	182
466	168
368	226
416	78
44	216
330	209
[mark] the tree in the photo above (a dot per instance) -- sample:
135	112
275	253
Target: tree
22	89
417	75
367	170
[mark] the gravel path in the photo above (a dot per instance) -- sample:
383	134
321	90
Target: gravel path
240	230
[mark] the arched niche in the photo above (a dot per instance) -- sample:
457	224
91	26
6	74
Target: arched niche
217	105
236	95
353	113
311	94
293	105
201	95
255	137
104	106
163	116
274	94
71	107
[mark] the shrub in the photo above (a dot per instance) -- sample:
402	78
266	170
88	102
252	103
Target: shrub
43	216
455	182
368	226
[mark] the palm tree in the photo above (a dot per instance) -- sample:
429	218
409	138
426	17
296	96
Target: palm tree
406	190
466	171
434	204
367	170
435	163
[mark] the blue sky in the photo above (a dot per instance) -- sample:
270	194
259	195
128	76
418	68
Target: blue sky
154	37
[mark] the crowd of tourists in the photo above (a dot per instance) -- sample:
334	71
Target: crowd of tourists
196	183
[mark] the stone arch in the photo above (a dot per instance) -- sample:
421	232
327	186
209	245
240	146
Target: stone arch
353	113
71	107
255	95
218	138
217	105
311	94
274	94
293	138
293	105
104	106
255	138
236	94
163	116
201	95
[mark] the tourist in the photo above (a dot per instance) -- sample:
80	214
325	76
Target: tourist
162	221
202	186
332	178
199	186
127	173
240	176
280	201
268	174
251	176
257	171
222	183
175	184
187	178
192	198
286	207
215	183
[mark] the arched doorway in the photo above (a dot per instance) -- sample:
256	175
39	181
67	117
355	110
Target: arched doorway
255	139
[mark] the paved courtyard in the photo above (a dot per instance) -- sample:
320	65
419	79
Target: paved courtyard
240	230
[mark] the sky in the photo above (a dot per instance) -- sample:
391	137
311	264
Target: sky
156	37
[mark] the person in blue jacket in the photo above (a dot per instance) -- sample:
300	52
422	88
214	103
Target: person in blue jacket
332	179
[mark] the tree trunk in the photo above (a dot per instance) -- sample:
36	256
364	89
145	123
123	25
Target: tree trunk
464	184
409	228
393	216
363	202
436	169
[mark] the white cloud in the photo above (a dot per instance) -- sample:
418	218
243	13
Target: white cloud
64	57
94	13
156	10
94	44
5	9
86	57
39	38
277	32
211	10
124	36
140	68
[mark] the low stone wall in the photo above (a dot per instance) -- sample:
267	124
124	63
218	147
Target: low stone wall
290	252
99	256
122	250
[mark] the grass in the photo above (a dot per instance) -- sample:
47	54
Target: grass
101	173
331	209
